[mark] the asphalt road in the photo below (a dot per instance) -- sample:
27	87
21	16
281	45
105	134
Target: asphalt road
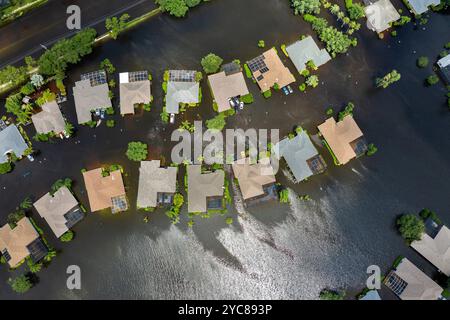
47	24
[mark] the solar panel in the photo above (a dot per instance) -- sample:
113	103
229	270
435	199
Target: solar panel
396	283
6	255
96	78
119	204
359	146
257	64
137	76
73	217
182	75
260	77
231	68
37	250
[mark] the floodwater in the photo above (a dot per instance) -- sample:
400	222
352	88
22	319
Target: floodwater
273	251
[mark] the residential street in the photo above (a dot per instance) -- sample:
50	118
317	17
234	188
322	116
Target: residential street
47	24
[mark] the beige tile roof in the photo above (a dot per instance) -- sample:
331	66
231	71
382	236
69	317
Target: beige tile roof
101	189
16	240
132	93
436	250
339	135
88	98
252	177
277	73
53	208
420	286
154	179
224	87
203	185
50	119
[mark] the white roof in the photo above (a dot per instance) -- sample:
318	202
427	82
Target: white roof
123	77
380	14
302	51
371	295
11	141
436	250
444	62
421	6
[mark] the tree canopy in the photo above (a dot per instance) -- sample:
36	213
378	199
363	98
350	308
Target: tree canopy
137	151
211	63
411	227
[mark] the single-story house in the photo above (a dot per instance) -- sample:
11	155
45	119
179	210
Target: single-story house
257	180
227	84
421	6
344	138
20	242
60	210
181	88
157	185
268	70
134	89
409	283
380	15
205	190
444	67
436	249
105	191
91	93
300	155
302	51
50	119
11	141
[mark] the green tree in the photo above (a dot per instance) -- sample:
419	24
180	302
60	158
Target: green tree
388	79
433	79
312	81
177	8
306	6
107	65
422	62
371	149
137	151
21	284
356	11
116	25
411	227
26	204
211	63
33	267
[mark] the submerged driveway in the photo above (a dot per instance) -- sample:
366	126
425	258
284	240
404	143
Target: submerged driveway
47	24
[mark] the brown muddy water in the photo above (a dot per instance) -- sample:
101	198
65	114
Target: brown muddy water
273	251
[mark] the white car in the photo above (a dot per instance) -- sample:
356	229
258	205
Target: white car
172	118
30	157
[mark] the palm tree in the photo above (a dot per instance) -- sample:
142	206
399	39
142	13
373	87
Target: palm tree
26	204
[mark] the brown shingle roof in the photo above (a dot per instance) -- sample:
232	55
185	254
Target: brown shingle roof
225	87
203	185
339	135
16	240
101	189
50	119
252	177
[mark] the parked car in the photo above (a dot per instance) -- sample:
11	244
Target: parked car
30	157
285	91
290	89
102	114
172	118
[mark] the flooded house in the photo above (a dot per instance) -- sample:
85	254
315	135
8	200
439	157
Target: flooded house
301	156
380	15
21	241
409	283
182	87
60	210
344	139
91	93
11	142
256	180
105	190
419	7
135	89
49	120
205	189
228	86
157	185
305	50
268	70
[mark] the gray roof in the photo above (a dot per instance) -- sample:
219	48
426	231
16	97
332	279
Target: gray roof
88	98
181	92
421	6
53	208
134	89
154	179
371	295
305	50
296	152
50	119
203	185
380	14
11	141
444	62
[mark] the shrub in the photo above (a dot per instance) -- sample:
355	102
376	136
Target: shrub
247	99
5	167
410	227
371	149
229	220
21	284
267	94
217	123
261	44
248	72
110	123
284	196
422	62
331	295
302	87
67	237
137	151
432	80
